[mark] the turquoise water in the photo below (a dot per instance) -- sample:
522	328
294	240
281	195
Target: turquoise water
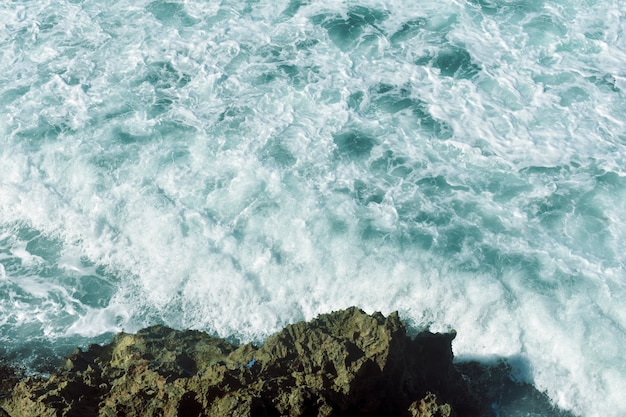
235	166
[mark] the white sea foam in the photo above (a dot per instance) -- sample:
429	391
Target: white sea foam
237	167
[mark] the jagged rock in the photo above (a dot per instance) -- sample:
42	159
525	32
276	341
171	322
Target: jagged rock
9	376
430	407
346	363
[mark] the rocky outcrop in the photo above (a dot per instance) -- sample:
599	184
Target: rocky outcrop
346	363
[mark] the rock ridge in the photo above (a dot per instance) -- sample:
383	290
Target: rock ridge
345	363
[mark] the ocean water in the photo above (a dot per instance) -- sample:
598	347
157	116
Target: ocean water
237	165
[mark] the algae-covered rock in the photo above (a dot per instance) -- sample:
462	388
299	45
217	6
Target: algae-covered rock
9	377
430	407
345	363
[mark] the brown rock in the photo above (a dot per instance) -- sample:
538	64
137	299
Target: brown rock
346	363
430	407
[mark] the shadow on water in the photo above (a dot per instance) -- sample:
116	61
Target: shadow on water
498	384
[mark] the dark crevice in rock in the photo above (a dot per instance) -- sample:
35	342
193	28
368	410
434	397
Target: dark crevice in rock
189	406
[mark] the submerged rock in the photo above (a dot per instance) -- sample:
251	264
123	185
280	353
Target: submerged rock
345	363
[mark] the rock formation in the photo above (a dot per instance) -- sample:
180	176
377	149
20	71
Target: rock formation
346	363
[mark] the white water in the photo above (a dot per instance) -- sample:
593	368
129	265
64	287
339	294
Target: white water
234	167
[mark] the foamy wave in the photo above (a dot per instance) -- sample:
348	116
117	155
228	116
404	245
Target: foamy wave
237	167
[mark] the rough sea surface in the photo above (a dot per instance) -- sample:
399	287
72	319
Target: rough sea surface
234	166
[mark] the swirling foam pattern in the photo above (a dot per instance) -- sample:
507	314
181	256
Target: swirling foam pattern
235	166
